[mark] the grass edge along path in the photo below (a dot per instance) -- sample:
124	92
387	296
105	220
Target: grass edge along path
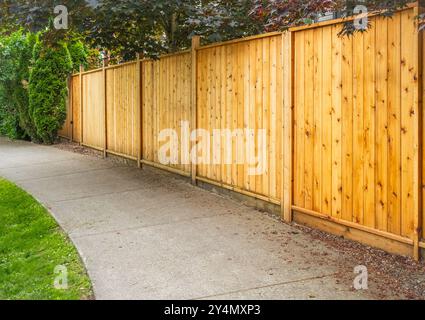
32	248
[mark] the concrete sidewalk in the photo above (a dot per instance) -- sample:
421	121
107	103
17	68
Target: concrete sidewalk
146	234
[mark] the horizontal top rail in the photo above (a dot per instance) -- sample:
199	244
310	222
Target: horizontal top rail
167	55
259	36
88	72
121	65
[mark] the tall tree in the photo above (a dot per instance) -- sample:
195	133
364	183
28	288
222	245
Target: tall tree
136	26
48	88
127	27
154	27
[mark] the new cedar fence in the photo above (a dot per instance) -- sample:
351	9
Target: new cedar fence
343	119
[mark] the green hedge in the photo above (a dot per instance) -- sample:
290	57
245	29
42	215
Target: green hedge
33	85
21	94
15	56
48	89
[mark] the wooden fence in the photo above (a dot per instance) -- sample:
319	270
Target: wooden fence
342	116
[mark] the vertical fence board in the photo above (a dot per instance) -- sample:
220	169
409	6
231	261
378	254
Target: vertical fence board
336	123
347	128
327	125
358	129
369	119
272	151
279	116
265	109
299	121
76	124
381	146
394	133
229	151
308	120
318	114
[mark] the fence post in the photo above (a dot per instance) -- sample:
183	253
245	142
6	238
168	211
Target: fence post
421	98
139	99
196	42
71	108
287	57
81	104
105	120
417	51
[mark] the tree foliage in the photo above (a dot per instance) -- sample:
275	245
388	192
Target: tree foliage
21	95
15	60
79	54
126	27
281	15
222	20
34	15
154	27
33	83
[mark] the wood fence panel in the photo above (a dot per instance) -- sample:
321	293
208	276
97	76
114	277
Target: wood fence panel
240	91
122	130
423	136
365	124
93	109
166	92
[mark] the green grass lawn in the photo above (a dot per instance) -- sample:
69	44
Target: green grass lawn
31	247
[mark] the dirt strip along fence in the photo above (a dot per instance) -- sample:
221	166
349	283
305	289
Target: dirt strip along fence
342	116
